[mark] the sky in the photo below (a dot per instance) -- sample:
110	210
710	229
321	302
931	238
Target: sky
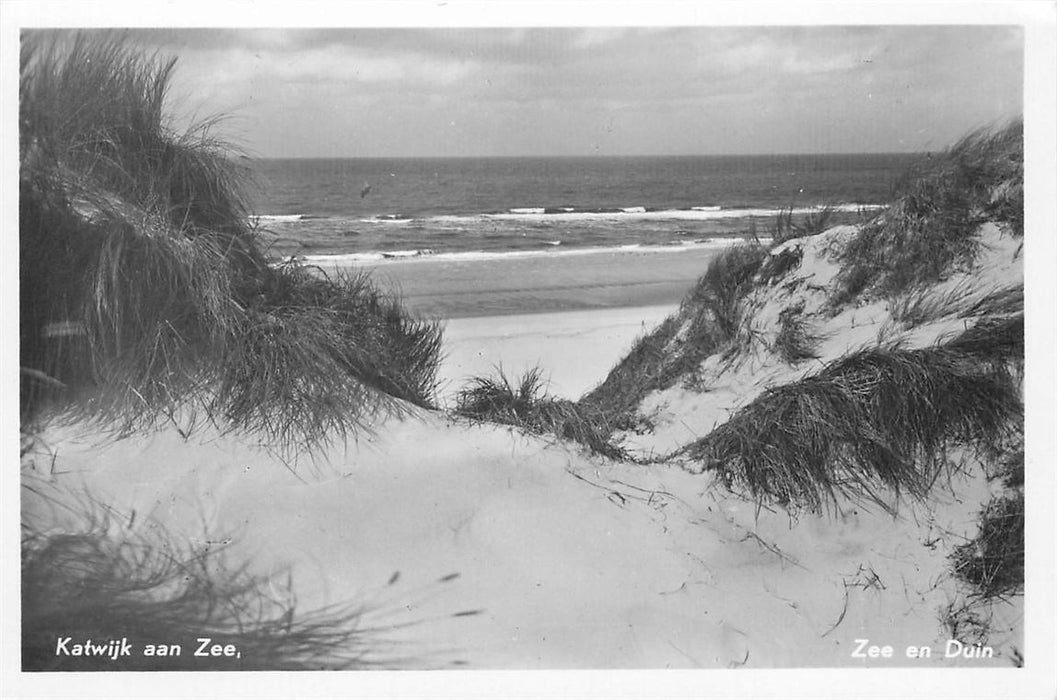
383	92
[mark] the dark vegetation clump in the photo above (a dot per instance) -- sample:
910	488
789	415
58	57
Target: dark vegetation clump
100	585
993	561
708	318
795	341
726	282
999	302
876	418
998	341
641	371
144	288
777	265
932	225
330	345
814	222
526	405
921	304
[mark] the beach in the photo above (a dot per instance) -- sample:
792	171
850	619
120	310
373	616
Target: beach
475	544
512	284
481	413
574	349
573	315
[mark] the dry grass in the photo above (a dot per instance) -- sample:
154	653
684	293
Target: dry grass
880	418
720	290
795	340
814	222
526	405
923	304
100	585
638	373
931	227
709	317
779	264
143	287
993	561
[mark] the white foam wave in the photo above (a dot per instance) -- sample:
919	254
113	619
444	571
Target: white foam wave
478	255
702	213
388	220
406	253
570	214
276	218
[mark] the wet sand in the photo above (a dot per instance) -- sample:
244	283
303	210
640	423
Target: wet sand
446	288
572	315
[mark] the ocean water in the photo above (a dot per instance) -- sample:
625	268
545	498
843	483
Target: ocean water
348	210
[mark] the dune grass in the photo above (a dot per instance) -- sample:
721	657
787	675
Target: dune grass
787	227
795	340
708	318
525	404
883	418
638	373
923	304
726	282
931	228
104	584
143	285
779	263
321	354
993	561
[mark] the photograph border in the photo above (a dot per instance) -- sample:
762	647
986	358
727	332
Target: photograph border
1036	679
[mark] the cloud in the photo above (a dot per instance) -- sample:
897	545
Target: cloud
760	87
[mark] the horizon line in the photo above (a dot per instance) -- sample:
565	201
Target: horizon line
603	156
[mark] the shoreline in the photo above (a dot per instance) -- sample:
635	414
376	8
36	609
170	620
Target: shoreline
446	289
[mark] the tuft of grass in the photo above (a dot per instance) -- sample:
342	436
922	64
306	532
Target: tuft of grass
923	304
968	621
637	374
993	561
795	341
709	317
812	223
143	287
526	405
319	354
93	127
778	264
931	228
1001	301
100	585
877	418
998	342
726	282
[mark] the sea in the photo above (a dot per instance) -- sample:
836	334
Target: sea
345	210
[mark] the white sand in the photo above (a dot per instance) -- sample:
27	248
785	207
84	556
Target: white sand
573	563
680	414
576	349
569	561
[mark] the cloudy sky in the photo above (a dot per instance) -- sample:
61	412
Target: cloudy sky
604	91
